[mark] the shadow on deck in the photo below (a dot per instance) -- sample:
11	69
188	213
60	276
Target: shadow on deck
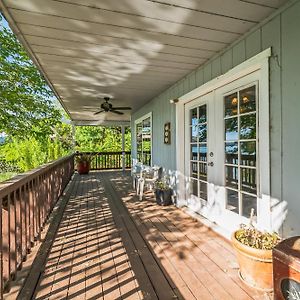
109	245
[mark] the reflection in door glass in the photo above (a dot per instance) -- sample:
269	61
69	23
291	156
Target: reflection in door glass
248	153
194	134
202	133
231	129
248	127
248	180
248	203
198	152
231	153
248	100
193	116
203	190
194	152
202	152
232	200
202	114
232	177
231	105
240	150
194	169
194	187
203	171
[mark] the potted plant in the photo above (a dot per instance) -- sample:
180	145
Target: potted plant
254	254
83	162
163	192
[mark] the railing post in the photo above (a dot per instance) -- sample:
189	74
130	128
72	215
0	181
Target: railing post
5	241
1	253
123	147
19	257
12	233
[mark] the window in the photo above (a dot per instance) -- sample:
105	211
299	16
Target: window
198	151
144	140
240	121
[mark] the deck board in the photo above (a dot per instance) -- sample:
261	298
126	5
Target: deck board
109	245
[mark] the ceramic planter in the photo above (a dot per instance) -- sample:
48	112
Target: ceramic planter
83	167
163	197
256	267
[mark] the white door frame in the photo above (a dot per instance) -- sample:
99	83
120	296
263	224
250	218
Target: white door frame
137	121
260	64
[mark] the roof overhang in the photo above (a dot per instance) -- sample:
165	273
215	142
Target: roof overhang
129	50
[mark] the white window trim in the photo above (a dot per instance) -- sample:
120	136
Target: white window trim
259	62
139	120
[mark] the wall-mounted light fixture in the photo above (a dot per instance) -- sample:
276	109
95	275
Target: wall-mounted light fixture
174	101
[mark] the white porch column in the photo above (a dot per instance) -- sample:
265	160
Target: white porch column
123	147
73	136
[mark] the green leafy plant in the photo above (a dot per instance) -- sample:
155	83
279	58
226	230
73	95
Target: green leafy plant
161	184
84	158
252	237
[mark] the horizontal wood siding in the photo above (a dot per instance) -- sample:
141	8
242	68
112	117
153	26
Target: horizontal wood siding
282	34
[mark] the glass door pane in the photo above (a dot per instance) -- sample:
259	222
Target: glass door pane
198	151
240	144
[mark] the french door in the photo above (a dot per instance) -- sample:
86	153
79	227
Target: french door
221	153
199	145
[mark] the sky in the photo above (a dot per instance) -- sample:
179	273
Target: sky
4	22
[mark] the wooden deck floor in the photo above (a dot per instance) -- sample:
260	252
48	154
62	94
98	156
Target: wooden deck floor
109	245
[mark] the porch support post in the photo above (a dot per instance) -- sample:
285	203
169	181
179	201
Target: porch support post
123	147
73	137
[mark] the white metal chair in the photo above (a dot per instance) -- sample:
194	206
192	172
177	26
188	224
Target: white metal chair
136	172
147	178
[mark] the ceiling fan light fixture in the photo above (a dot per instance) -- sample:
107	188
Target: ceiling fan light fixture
108	107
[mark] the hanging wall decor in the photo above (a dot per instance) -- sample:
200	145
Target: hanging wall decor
167	133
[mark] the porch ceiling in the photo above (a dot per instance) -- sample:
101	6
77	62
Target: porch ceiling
130	50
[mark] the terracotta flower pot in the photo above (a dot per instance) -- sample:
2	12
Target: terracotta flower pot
83	167
256	267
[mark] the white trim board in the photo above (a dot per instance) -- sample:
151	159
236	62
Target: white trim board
142	118
139	120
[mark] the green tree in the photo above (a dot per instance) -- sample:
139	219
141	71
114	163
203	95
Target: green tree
100	138
29	113
27	104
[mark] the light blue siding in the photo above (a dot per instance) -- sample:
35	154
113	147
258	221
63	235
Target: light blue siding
239	53
282	34
290	49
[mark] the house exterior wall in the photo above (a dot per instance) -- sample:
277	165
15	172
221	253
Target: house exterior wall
281	32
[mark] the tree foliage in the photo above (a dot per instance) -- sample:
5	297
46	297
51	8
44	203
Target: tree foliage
31	118
27	106
29	114
97	139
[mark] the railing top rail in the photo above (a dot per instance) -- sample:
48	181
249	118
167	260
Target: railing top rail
18	181
103	152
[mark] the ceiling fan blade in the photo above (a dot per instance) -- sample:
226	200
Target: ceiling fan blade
98	112
116	112
121	108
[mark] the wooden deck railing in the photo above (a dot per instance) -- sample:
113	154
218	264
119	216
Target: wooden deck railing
108	160
25	202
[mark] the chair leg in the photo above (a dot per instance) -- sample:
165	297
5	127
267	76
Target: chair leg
138	186
142	183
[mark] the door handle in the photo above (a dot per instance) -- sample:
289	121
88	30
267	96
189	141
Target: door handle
211	164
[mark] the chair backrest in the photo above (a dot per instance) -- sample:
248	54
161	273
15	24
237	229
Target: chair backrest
136	167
